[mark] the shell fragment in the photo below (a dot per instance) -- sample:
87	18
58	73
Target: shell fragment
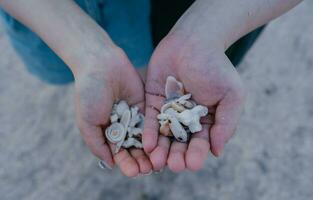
180	116
126	128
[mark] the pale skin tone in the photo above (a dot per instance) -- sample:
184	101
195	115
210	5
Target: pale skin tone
193	50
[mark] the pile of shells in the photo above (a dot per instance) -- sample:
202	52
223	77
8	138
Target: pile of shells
180	116
126	126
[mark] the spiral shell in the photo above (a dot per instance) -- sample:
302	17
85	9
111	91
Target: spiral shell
115	133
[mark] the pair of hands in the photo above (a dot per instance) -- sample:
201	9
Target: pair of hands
208	75
193	52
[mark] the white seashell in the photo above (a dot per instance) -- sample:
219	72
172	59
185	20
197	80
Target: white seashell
178	130
186	117
195	127
163	117
200	110
135	117
183	98
179	112
188	103
118	146
115	133
114	109
171	112
173	88
191	118
178	107
125	123
132	142
125	119
166	106
167	114
121	107
132	131
173	102
134	110
114	118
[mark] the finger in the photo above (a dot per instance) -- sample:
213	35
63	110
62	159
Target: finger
198	149
227	117
151	127
143	161
94	139
176	158
159	155
125	162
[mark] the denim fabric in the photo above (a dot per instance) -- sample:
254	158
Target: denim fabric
126	21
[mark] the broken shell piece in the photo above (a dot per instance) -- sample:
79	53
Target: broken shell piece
166	106
132	131
178	130
118	146
121	107
188	103
178	107
125	123
132	142
179	104
173	88
183	98
172	112
162	117
115	133
125	120
179	115
165	128
113	118
191	118
135	117
126	126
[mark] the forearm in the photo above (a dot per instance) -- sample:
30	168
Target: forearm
72	34
225	21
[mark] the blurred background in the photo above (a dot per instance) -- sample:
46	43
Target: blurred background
271	157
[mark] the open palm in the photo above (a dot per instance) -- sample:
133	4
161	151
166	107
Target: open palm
213	82
112	79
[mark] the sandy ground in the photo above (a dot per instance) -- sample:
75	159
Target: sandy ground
271	157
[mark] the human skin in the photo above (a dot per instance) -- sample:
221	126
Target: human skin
103	74
193	52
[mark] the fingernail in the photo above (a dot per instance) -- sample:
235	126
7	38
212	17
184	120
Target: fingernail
158	171
147	174
103	165
220	152
135	177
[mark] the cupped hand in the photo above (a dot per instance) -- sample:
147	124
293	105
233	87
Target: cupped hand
104	80
212	80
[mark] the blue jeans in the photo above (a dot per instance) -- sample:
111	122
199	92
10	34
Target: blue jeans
126	21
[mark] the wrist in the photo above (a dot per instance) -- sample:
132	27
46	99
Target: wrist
101	61
87	54
191	30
